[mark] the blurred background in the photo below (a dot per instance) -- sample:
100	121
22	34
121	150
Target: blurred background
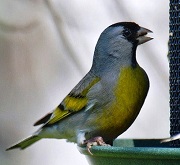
46	47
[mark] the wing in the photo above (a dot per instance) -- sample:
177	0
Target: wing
74	102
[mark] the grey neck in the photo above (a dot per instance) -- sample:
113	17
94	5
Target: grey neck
110	62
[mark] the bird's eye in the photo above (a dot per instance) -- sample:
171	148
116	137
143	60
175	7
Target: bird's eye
126	33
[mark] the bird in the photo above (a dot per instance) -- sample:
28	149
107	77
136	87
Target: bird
107	100
172	138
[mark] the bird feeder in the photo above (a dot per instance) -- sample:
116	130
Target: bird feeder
174	64
150	152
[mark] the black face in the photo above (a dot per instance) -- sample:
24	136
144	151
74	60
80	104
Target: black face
130	30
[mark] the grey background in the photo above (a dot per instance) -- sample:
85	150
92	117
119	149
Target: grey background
47	46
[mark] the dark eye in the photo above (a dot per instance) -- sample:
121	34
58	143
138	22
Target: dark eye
126	33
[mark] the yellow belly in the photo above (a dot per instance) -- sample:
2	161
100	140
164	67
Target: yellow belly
130	92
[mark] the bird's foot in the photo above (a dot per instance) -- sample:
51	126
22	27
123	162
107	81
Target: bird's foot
96	141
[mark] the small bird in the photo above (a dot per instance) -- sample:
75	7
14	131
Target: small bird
172	138
107	100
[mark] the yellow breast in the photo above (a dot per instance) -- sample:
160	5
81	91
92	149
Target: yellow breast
130	92
131	88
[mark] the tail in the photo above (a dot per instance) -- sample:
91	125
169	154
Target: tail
25	143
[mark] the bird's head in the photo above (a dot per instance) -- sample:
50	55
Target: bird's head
119	41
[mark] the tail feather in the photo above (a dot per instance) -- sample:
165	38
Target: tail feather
25	143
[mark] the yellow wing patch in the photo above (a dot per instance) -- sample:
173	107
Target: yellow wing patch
57	115
72	103
75	103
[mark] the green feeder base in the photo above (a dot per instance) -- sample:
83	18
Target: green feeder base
133	152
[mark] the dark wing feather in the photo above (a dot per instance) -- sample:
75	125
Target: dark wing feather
75	101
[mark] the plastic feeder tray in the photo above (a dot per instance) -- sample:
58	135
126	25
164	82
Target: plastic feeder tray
133	152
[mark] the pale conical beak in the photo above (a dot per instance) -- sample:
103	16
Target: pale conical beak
141	35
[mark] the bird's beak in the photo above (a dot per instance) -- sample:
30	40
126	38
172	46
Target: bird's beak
141	35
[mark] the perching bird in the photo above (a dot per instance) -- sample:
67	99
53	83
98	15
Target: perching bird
108	99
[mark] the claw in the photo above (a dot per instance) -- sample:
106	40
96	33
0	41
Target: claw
96	141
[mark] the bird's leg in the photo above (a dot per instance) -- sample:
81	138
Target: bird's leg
96	141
